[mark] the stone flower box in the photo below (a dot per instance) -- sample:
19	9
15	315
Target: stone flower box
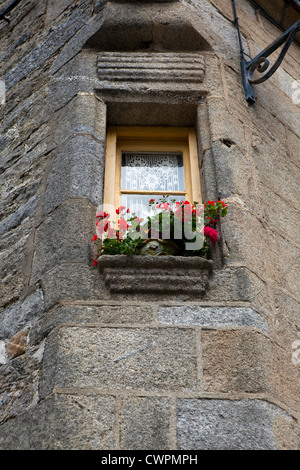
155	274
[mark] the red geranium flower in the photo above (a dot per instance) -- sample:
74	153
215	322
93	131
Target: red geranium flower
102	215
211	233
120	209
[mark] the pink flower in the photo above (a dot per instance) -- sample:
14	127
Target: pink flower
178	212
123	224
211	233
187	209
102	226
111	233
165	206
138	220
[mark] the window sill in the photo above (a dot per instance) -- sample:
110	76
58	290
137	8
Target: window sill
155	274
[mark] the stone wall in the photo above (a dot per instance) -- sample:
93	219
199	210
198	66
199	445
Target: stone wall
84	368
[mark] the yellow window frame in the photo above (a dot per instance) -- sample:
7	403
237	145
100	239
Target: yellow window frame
150	139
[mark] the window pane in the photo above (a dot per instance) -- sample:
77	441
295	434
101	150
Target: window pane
145	171
139	204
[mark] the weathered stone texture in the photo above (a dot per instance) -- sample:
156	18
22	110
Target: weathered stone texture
84	114
75	173
63	422
151	359
50	42
17	345
117	314
19	377
62	237
144	423
230	425
211	316
235	361
81	368
21	314
71	282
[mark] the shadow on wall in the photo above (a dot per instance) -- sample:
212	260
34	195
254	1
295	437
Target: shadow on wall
161	28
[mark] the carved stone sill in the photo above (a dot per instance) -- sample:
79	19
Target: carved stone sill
155	274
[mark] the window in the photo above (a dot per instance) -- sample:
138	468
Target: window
145	163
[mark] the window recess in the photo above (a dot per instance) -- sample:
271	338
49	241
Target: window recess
145	163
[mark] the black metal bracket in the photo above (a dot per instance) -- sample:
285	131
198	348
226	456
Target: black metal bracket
260	63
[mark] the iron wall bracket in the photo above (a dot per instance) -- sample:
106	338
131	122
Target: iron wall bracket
260	63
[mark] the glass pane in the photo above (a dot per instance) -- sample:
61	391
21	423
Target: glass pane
139	204
146	171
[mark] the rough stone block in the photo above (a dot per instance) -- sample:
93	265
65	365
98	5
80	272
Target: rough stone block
120	359
275	213
208	176
236	361
270	132
76	172
287	264
224	125
234	176
287	317
285	82
69	282
3	353
54	10
225	7
212	20
62	422
232	425
294	146
13	262
161	112
85	113
286	376
240	284
91	314
64	237
144	423
286	432
249	242
273	167
21	213
211	316
77	75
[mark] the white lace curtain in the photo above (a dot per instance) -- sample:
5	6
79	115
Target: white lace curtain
152	171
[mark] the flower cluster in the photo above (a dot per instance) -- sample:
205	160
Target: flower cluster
182	222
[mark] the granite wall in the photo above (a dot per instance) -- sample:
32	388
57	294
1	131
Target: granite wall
83	367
